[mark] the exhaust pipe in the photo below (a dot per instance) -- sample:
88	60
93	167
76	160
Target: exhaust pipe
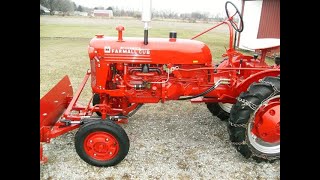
146	18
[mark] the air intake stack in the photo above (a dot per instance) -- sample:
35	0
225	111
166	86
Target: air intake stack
146	18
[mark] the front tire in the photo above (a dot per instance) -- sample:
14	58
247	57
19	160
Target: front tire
102	143
254	124
221	110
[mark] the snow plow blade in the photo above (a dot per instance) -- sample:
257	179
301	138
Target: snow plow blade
53	104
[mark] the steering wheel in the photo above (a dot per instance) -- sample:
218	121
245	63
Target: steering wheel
230	18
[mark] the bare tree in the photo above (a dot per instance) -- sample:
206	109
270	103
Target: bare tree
44	3
80	8
74	6
99	8
65	6
51	4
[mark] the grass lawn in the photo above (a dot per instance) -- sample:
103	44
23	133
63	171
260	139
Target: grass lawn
64	41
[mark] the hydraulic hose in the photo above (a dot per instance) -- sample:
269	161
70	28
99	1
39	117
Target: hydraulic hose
220	81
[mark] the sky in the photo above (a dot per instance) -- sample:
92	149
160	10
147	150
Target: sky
180	6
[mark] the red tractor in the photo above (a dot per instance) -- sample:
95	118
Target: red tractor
129	72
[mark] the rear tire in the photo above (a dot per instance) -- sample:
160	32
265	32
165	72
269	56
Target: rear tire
102	143
244	121
217	110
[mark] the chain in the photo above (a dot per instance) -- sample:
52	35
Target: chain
247	103
237	125
273	86
238	143
275	90
263	156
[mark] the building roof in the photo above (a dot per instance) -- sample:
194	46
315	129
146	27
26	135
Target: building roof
44	8
102	11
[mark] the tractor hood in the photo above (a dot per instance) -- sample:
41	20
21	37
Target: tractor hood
157	51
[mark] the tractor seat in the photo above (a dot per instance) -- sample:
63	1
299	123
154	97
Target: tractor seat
264	43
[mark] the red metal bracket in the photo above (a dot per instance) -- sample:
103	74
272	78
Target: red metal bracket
75	98
43	159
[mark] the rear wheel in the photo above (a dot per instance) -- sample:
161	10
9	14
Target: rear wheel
101	143
254	124
221	110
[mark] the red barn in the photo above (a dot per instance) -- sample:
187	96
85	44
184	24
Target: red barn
102	13
261	20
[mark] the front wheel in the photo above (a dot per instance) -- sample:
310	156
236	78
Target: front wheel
254	124
102	143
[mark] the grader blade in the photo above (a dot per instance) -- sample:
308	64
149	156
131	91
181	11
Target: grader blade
52	105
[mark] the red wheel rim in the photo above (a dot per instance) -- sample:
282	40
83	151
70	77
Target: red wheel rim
267	122
101	146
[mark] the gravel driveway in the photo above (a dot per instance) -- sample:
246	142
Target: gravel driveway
175	140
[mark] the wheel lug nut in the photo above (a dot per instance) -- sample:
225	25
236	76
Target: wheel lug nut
90	141
107	139
272	112
110	153
95	154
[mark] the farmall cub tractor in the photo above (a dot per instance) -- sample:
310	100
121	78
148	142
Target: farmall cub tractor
127	72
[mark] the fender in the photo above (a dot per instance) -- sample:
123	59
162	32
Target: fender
243	86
